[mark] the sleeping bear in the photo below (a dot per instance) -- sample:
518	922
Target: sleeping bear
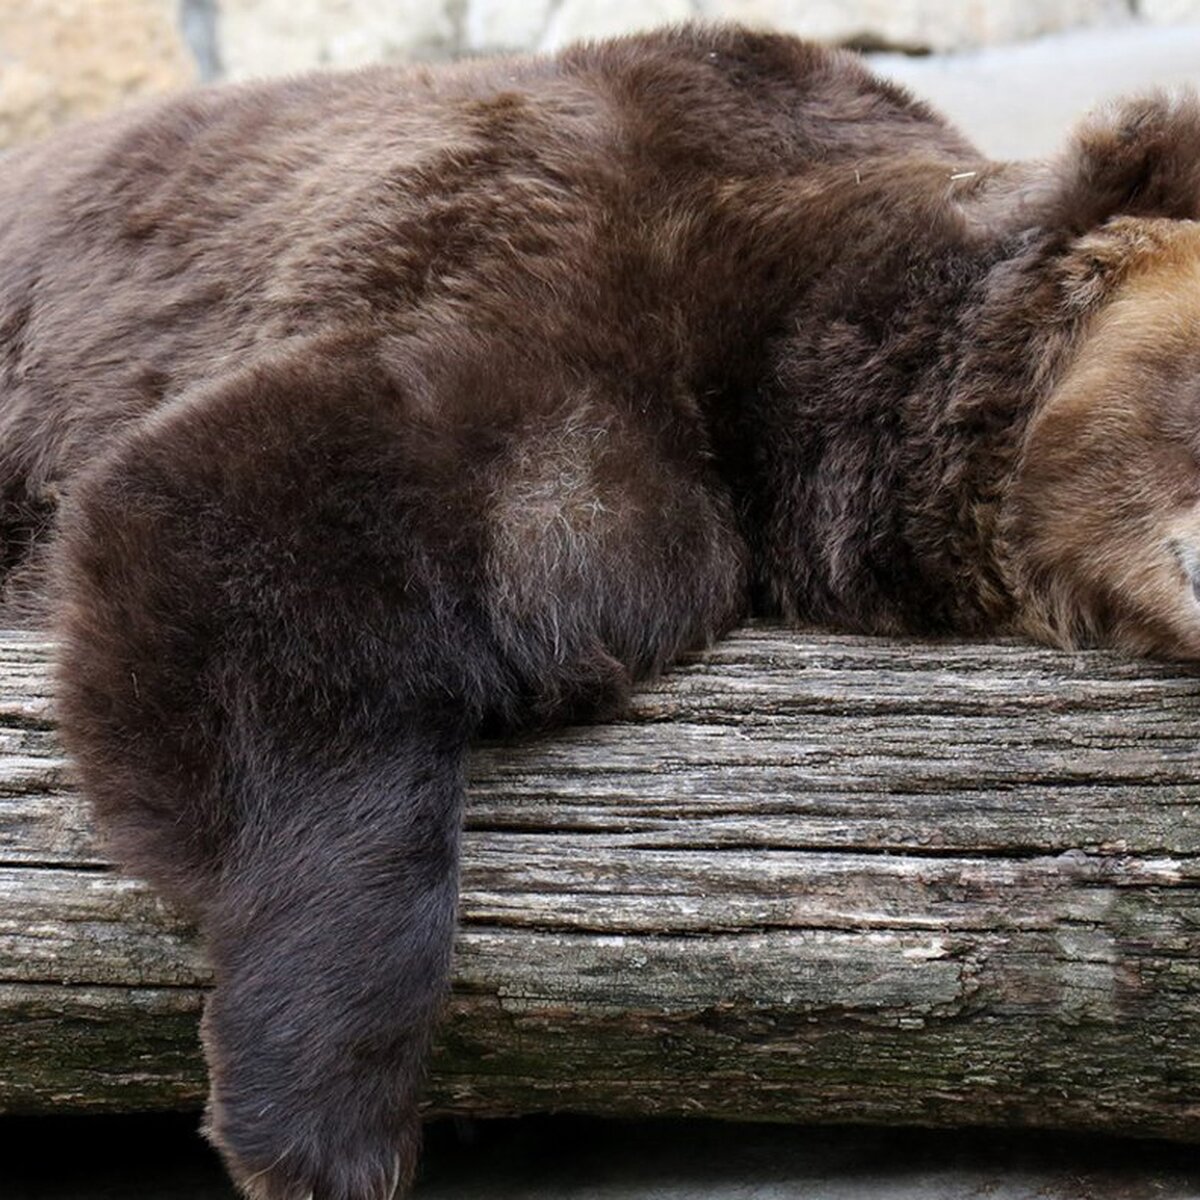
347	417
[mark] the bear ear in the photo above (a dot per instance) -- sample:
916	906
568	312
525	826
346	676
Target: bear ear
1097	263
1138	158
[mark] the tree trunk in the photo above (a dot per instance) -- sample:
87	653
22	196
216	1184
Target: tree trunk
810	878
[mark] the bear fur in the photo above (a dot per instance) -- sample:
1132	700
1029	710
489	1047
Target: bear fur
346	417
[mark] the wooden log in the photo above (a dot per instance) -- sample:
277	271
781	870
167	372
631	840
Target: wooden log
810	877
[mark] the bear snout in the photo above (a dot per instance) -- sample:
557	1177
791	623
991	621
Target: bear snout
1186	552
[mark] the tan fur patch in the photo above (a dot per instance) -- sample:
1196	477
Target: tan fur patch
1106	507
549	515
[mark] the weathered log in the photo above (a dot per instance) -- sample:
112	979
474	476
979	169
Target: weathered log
809	878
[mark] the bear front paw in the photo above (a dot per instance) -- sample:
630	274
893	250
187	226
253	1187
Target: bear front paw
337	1158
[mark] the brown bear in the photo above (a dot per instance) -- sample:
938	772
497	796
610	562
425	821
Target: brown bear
345	417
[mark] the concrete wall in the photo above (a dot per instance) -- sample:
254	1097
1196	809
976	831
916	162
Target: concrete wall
61	59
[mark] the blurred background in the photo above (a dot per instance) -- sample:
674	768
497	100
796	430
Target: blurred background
1013	72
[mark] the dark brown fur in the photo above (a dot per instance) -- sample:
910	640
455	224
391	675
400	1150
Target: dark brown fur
355	414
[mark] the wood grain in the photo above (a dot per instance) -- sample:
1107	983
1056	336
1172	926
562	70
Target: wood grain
810	877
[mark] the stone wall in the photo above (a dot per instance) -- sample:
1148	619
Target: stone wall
61	59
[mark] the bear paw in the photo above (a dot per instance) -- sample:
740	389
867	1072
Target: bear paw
339	1160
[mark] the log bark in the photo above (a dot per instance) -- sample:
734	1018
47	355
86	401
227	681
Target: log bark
810	877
